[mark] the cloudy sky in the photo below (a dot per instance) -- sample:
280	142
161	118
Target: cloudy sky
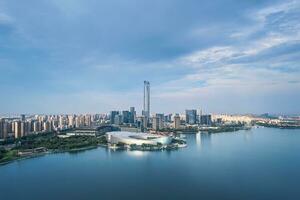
79	56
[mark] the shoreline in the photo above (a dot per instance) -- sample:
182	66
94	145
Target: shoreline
34	155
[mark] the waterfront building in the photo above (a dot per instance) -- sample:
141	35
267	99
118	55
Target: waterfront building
146	105
4	126
191	116
158	122
132	115
118	120
155	123
136	138
112	116
206	120
176	122
126	116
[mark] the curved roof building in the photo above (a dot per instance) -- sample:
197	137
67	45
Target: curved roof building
136	138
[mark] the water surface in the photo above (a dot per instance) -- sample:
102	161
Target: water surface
262	163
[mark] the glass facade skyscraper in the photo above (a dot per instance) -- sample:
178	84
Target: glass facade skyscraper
146	108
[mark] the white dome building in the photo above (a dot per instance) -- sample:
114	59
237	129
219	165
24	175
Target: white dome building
136	138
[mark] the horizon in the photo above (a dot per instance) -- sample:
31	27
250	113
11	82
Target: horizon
92	56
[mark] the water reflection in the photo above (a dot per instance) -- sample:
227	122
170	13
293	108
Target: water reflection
137	153
205	139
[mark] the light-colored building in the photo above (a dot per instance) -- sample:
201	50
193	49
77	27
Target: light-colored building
17	129
176	122
136	138
157	122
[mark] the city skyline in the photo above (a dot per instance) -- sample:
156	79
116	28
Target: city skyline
93	56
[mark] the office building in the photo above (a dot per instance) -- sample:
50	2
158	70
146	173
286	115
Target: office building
176	124
126	116
118	120
191	116
132	115
206	120
146	105
112	116
22	117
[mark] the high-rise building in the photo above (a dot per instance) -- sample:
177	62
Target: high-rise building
206	120
47	126
176	122
88	120
22	117
157	122
146	106
37	126
191	116
126	116
1	128
112	116
71	121
132	115
17	129
118	119
77	122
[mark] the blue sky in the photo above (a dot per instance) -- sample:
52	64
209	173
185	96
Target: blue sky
224	56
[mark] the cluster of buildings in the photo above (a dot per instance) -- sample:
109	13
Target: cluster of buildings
158	121
16	127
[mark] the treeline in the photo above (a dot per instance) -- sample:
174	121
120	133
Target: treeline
56	143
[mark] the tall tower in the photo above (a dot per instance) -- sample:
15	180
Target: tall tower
146	108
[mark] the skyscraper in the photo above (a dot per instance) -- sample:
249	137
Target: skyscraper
176	121
191	116
112	116
146	108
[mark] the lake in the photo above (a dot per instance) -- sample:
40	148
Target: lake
262	163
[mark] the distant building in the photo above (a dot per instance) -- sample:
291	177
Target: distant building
22	117
126	116
71	121
47	126
3	128
17	129
118	120
36	126
146	108
191	116
206	120
112	116
87	120
132	115
176	122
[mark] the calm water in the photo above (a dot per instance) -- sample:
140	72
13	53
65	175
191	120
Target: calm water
258	164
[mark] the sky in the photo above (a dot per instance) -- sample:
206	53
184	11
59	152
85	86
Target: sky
92	56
